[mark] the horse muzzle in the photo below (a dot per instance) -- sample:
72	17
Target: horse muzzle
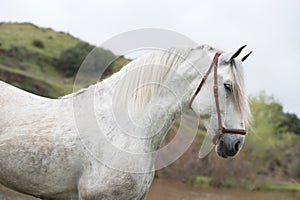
228	145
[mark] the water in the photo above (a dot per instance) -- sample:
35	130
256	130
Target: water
170	190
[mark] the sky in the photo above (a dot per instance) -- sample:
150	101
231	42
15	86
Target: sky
270	28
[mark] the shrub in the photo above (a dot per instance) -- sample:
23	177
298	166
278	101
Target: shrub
71	59
38	44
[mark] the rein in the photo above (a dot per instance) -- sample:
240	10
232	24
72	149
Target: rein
221	128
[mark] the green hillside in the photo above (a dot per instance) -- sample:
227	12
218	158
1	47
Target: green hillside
28	35
43	61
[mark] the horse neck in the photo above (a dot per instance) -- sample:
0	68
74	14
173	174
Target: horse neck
158	115
173	100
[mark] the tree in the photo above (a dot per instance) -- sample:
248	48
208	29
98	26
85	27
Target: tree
268	116
71	58
292	122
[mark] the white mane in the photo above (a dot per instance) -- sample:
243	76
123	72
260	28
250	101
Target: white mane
141	78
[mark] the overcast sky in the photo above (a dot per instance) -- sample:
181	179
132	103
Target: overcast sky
270	28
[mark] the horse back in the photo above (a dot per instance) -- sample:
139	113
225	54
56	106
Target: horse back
37	143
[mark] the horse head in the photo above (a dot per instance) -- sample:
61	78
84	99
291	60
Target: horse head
222	103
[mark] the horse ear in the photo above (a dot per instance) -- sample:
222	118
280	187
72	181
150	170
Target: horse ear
228	57
237	53
246	56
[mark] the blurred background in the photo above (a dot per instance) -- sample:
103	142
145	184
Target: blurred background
43	43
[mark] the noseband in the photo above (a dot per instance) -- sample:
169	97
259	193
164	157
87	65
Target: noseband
221	128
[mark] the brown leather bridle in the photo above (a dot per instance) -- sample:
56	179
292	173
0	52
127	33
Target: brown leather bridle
221	128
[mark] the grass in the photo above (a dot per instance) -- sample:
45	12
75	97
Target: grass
29	57
24	34
34	72
279	186
199	181
53	87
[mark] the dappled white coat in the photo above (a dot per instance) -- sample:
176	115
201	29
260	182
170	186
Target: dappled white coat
86	145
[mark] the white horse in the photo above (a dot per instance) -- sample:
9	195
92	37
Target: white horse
57	149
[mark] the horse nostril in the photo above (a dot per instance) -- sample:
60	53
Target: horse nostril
237	146
221	143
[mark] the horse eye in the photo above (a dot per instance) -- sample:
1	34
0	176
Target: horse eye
228	87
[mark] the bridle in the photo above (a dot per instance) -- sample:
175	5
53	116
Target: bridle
221	128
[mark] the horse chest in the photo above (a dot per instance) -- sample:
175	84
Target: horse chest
111	184
106	183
